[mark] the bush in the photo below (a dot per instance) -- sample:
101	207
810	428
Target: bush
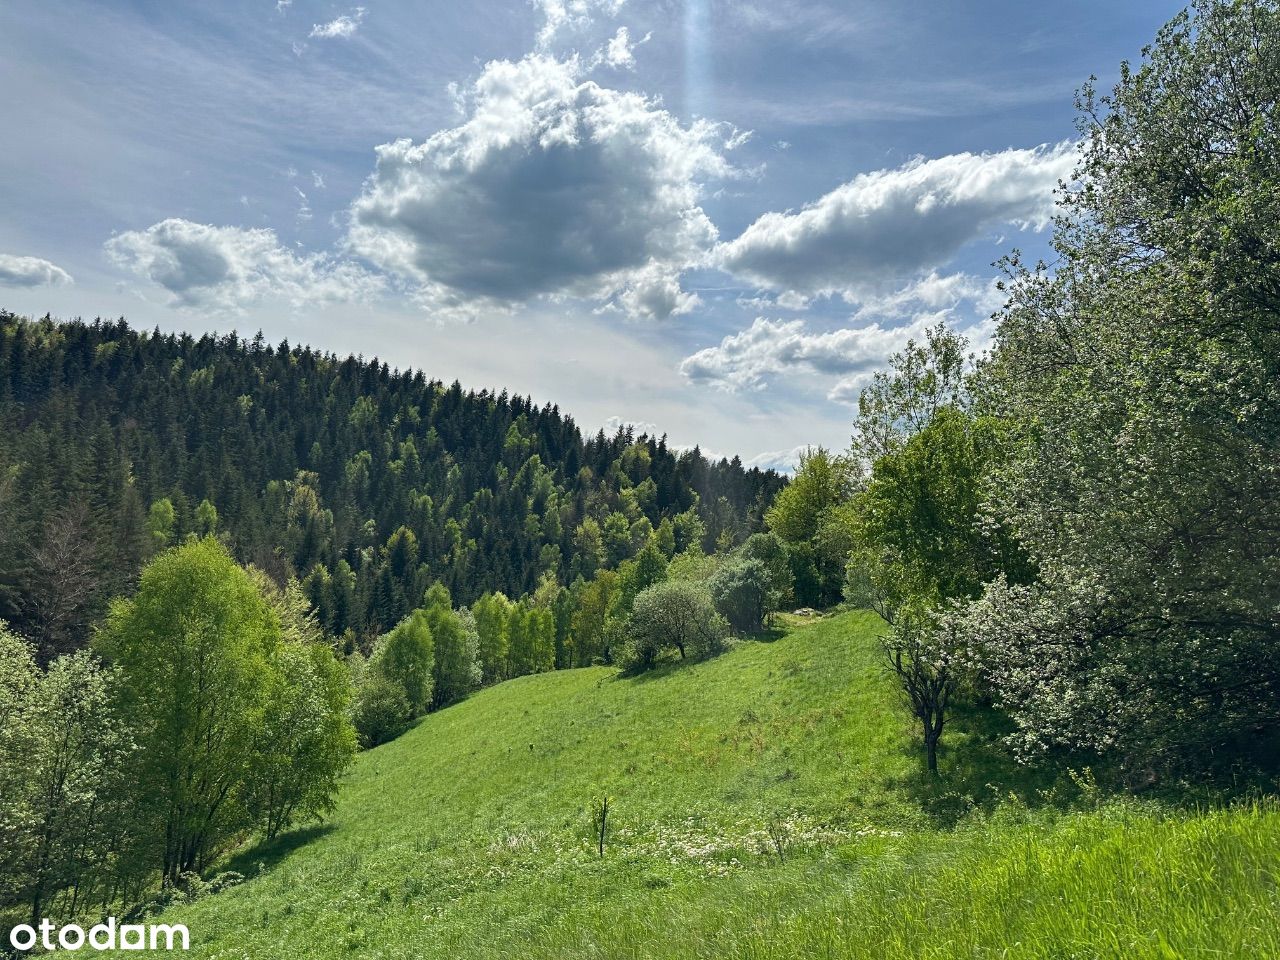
740	591
380	710
671	615
636	654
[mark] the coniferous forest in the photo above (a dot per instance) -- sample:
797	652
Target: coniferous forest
366	484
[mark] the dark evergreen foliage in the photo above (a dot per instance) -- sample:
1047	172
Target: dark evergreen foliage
365	482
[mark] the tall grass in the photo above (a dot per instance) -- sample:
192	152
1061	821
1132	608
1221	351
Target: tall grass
1124	882
1119	883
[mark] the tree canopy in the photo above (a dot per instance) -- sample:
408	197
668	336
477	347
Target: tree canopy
1138	381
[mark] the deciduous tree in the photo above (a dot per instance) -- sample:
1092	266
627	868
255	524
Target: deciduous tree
194	649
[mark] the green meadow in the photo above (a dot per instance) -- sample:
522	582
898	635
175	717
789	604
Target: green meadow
770	802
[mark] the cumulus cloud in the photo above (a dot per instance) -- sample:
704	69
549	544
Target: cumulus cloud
552	186
890	225
230	267
652	293
344	26
845	358
618	53
748	359
30	272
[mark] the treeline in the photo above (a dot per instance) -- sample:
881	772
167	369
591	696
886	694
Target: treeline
366	484
1083	534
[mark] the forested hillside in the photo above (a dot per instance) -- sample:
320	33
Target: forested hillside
366	483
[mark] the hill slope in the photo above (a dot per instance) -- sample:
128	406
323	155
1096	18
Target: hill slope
367	483
469	836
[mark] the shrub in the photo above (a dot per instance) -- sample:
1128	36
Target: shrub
667	615
740	591
380	710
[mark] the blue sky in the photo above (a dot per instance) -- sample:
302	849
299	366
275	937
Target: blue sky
712	218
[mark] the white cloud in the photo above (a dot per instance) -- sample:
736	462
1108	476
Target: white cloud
30	272
845	358
304	207
344	26
561	16
615	423
653	293
552	186
748	359
788	300
933	291
783	461
888	226
231	267
620	51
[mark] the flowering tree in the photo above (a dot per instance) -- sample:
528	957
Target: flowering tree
1140	382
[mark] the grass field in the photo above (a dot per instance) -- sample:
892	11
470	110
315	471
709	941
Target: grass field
768	803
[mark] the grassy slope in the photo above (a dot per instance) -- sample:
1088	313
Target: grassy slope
467	837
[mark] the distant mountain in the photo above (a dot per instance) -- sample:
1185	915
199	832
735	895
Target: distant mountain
365	482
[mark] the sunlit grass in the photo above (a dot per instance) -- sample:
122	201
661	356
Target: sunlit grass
764	804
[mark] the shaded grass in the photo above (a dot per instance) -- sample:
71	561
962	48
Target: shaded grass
265	855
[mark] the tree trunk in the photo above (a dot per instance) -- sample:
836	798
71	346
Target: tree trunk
932	734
